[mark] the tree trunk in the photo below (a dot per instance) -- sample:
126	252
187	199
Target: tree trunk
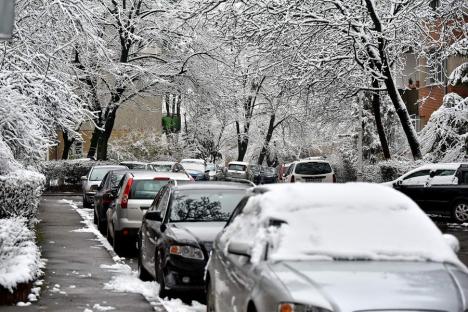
271	128
378	119
167	104
67	143
105	135
94	143
242	143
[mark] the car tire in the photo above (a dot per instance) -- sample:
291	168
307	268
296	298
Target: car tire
117	243
210	298
102	226
95	218
143	274
163	292
109	237
460	211
86	204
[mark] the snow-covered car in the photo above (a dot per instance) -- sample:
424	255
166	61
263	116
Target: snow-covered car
333	247
137	191
178	231
166	166
440	188
92	180
196	168
310	170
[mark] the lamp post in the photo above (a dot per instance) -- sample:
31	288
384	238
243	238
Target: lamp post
7	18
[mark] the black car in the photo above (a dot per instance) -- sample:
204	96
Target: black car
438	189
178	230
104	196
270	175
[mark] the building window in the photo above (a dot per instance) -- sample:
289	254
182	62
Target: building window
436	71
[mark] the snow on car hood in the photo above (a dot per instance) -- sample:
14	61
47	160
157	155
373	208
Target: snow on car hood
370	285
352	221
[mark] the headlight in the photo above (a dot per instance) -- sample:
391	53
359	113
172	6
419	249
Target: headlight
189	252
294	307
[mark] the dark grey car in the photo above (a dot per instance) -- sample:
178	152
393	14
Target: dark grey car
319	248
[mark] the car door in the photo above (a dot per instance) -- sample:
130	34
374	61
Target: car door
440	191
235	278
413	185
147	242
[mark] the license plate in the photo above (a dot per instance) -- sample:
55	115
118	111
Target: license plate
316	180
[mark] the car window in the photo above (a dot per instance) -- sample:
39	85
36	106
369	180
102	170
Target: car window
290	169
312	168
238	210
146	189
237	167
443	176
464	177
416	178
115	179
157	199
98	174
163	203
104	181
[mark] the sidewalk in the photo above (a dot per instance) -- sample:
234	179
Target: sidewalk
73	278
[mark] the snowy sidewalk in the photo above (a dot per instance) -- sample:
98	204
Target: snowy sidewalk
75	273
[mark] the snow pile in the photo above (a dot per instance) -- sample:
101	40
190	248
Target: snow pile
339	222
459	75
20	193
445	138
19	255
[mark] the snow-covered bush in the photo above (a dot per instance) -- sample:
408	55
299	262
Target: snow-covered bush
66	174
444	138
20	193
19	254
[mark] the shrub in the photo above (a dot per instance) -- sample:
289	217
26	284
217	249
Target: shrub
20	193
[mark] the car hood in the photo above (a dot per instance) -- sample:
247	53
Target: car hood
194	172
196	231
367	285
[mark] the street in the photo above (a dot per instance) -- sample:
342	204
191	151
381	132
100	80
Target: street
82	273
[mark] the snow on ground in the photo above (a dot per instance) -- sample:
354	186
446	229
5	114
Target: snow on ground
124	278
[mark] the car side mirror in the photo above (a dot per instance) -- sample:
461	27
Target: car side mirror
84	178
239	248
432	174
154	216
452	241
398	182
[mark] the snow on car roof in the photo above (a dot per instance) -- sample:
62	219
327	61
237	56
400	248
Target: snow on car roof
352	221
238	163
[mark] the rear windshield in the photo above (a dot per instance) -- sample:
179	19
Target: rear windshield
162	168
312	168
146	189
236	167
204	205
134	166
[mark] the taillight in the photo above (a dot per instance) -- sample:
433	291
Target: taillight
106	199
293	179
334	178
128	187
161	179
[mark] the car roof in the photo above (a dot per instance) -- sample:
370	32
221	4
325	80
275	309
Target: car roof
133	162
109	166
163	162
441	166
213	186
238	163
311	161
150	174
197	160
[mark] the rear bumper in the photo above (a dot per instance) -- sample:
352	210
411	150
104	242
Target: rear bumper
131	225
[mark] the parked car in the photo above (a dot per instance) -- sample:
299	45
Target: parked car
105	195
215	173
137	191
166	166
136	165
239	170
178	230
310	170
438	189
333	247
91	181
269	175
256	173
196	168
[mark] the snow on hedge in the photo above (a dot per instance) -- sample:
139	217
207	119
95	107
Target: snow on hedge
20	193
459	75
19	254
350	221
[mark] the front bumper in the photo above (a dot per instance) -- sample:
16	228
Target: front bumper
89	196
184	274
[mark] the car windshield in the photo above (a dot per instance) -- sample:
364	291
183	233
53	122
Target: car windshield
161	167
204	205
237	167
312	168
146	189
97	174
210	167
193	166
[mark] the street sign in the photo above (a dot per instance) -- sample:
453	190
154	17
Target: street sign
7	18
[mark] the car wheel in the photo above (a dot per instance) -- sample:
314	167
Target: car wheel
142	273
109	237
86	204
95	218
118	243
460	211
210	298
102	226
163	292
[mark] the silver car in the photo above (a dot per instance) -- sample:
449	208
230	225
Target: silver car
137	191
333	247
92	180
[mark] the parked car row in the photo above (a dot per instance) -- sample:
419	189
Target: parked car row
286	247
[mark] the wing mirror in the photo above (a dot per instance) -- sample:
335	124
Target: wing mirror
452	241
398	183
84	178
239	248
154	216
432	174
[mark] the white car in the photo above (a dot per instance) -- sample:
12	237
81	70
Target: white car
238	170
310	170
422	175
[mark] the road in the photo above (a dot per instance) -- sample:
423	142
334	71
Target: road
82	273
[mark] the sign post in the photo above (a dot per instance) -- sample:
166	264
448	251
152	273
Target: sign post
7	18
